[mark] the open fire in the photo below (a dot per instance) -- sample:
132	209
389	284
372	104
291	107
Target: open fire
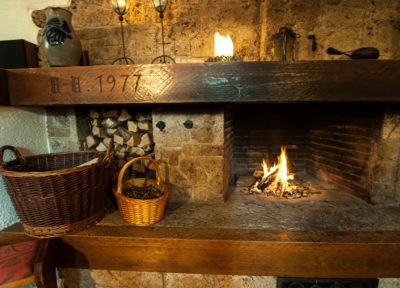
275	181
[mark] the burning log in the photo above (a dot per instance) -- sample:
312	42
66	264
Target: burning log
267	180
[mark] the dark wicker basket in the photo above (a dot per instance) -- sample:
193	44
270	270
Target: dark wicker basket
51	195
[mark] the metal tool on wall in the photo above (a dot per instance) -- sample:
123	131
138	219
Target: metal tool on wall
361	53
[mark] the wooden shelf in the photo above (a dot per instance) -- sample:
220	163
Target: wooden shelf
228	251
236	82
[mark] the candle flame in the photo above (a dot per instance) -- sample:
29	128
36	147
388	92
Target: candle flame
223	46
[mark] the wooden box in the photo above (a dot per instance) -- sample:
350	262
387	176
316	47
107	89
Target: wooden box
18	54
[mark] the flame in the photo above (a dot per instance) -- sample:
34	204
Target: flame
223	46
282	173
267	171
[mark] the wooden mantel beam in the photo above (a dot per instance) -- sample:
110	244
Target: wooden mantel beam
230	251
237	82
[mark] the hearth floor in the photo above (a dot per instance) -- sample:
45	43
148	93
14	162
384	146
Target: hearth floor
333	210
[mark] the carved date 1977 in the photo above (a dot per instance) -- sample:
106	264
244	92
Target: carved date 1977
112	81
105	83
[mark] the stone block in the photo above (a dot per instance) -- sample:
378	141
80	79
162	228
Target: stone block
202	135
382	193
386	171
388	150
391	127
193	170
169	155
357	3
178	280
202	150
84	278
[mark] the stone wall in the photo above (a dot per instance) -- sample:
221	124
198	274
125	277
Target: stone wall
82	278
384	168
190	26
62	130
190	151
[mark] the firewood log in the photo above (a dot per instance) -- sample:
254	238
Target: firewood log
265	182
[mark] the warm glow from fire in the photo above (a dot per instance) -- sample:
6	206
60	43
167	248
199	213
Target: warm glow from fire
223	46
278	175
267	171
283	173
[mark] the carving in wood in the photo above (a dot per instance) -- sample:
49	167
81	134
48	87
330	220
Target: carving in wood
246	82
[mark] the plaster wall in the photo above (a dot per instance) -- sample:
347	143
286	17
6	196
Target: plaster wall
25	129
21	127
15	15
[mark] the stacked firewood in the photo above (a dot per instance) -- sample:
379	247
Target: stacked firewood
130	132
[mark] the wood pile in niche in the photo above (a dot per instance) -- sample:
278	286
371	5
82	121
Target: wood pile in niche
131	132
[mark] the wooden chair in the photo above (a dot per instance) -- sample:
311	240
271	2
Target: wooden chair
29	262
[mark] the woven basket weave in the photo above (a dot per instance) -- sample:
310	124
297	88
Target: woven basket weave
51	195
141	212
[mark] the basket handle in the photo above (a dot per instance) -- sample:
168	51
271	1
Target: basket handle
109	154
122	172
17	154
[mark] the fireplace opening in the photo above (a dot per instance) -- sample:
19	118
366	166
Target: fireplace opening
329	147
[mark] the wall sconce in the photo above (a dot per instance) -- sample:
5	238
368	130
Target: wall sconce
161	6
121	8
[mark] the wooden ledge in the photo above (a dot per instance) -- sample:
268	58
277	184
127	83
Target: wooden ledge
229	251
236	82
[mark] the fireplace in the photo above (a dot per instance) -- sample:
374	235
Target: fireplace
339	130
210	124
335	143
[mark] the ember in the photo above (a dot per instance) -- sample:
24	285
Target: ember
275	181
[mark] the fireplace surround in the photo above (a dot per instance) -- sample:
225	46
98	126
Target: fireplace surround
339	126
338	118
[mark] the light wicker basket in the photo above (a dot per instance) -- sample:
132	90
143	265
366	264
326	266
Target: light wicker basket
52	195
141	212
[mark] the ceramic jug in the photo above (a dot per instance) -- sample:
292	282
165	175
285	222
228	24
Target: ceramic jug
59	42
